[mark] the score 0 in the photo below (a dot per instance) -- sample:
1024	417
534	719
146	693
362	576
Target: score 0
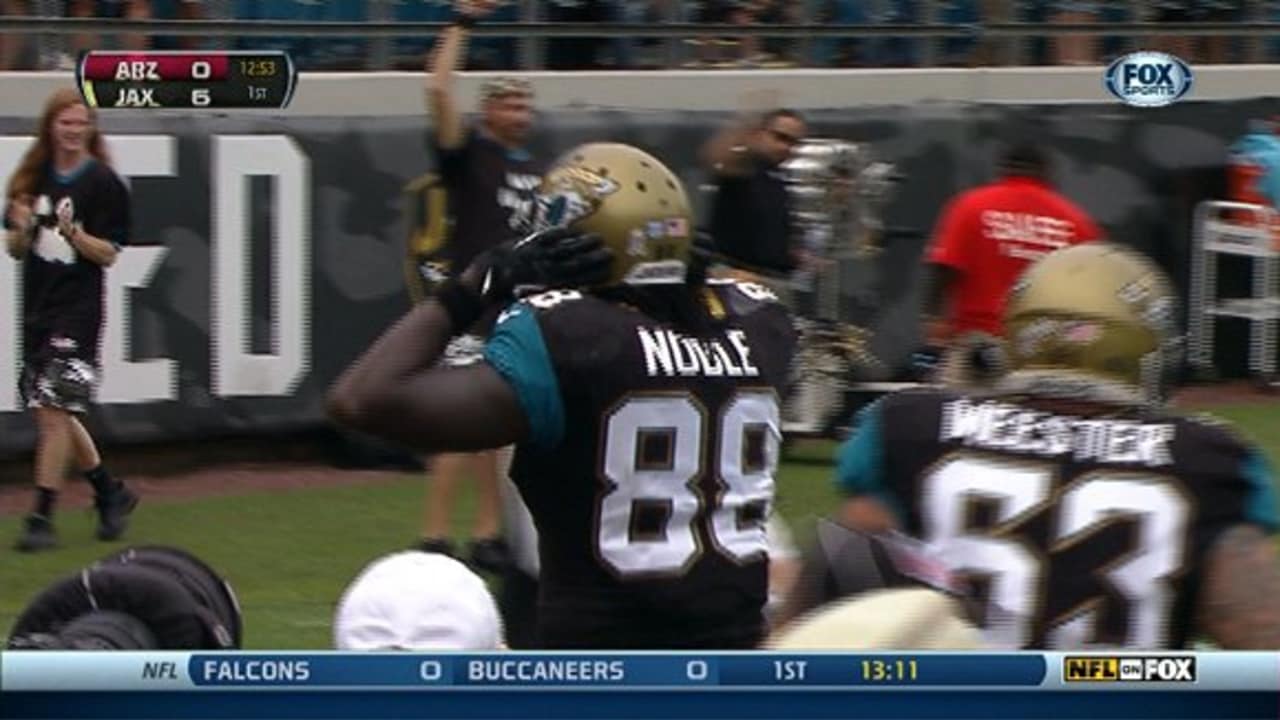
201	70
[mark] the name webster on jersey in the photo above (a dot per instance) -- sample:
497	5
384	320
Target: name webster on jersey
999	426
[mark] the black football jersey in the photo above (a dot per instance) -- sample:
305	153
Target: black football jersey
1075	532
62	290
649	472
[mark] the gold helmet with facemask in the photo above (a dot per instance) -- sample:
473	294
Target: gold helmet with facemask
631	200
1091	322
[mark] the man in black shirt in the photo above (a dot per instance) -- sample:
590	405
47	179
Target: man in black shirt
490	180
68	216
751	211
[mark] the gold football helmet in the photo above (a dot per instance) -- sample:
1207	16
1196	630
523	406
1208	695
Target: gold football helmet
631	200
1093	321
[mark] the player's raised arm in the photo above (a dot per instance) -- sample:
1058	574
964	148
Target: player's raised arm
397	392
727	153
442	64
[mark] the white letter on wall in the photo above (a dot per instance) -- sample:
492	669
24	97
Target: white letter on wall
236	371
11	150
124	381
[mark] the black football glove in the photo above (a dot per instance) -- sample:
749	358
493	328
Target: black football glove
553	258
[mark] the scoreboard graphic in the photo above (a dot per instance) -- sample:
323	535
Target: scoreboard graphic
187	80
637	686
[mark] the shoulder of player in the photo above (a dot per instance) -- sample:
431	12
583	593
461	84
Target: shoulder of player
910	402
550	302
568	311
1210	430
743	297
914	398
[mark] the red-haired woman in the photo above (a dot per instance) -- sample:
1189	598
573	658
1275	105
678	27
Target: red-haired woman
67	217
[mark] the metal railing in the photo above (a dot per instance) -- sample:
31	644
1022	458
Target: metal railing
384	29
926	38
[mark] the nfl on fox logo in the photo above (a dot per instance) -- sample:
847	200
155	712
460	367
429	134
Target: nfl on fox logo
1168	668
1148	79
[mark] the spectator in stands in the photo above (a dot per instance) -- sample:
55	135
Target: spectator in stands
489	178
576	53
1075	49
110	9
417	601
68	216
751	222
626	50
1217	49
175	10
128	10
709	49
1176	11
18	52
983	241
842	52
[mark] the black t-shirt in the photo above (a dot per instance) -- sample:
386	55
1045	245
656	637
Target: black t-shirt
62	290
751	218
651	471
490	192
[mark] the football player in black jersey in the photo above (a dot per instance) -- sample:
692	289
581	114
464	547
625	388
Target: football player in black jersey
67	218
644	408
1083	513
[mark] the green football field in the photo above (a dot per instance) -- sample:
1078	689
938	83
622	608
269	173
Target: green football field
290	554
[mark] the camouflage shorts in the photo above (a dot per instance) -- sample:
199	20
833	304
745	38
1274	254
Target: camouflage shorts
67	383
463	350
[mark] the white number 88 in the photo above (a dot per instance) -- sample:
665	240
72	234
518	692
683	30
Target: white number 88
745	479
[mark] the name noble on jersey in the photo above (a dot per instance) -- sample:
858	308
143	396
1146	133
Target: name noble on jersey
669	353
999	426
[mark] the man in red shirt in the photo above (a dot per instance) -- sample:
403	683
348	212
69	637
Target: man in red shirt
984	240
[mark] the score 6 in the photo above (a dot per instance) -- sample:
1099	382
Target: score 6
200	97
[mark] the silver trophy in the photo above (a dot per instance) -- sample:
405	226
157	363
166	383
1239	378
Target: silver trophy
838	192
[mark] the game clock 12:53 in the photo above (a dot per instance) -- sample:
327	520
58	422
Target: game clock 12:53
888	670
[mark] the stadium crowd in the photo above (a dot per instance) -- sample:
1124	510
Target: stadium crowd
35	52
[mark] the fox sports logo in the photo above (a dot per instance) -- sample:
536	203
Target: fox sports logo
1148	79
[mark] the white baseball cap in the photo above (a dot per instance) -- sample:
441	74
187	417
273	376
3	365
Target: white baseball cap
892	619
417	601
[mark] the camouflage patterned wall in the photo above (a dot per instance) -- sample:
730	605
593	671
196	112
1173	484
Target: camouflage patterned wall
1137	171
